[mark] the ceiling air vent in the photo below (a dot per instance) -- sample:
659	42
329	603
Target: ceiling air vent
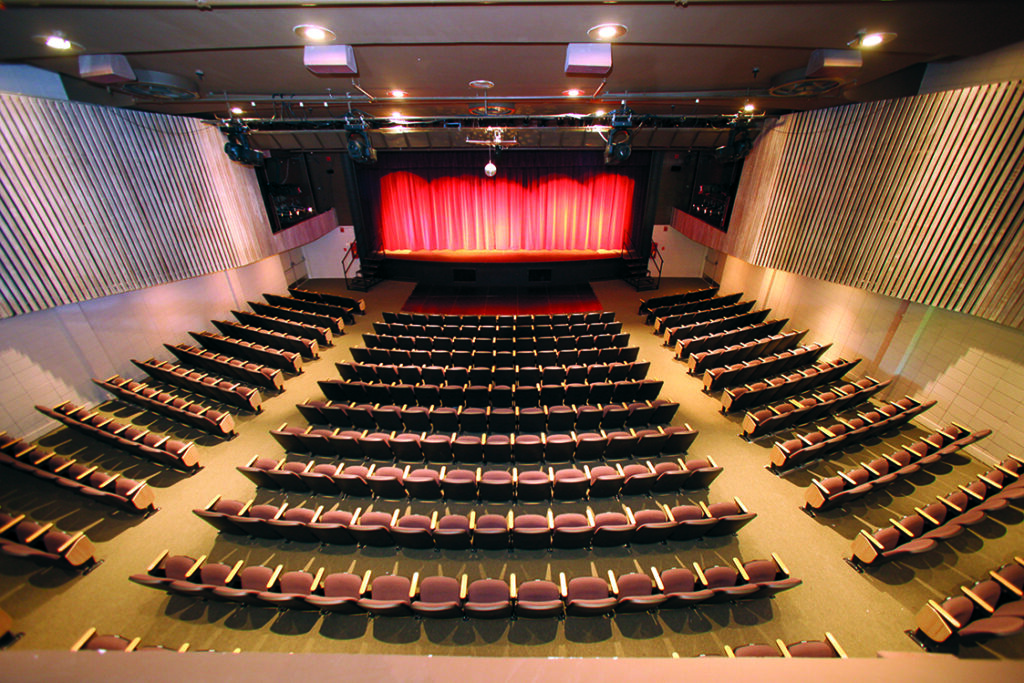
157	85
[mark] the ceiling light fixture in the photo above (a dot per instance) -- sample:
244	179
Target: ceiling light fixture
490	169
609	31
314	33
873	39
572	92
599	112
748	107
237	111
58	41
397	93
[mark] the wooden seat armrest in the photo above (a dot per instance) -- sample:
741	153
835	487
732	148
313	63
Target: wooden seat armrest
977	599
1006	584
233	573
826	432
871	469
11	524
740	569
563	586
948	503
657	579
156	563
902	529
821	488
273	577
111	480
871	539
63	467
970	492
778	563
86	473
925	515
38	532
195	566
845	477
414	585
944	615
891	459
835	645
66	545
989	482
80	643
700	574
464	587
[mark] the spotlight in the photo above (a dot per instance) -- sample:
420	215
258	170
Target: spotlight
873	39
490	169
618	148
237	111
238	148
360	150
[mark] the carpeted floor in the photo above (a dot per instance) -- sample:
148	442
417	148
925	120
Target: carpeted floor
867	612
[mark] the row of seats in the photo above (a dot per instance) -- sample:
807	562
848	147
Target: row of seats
564	343
733	335
177	408
503	320
423	357
658	314
351	304
826	440
307	348
993	606
231	393
136	440
794	412
676	298
90	481
448	597
739	373
562	419
570	530
833	492
920	532
92	641
247	371
318	307
736	353
319	333
491	448
797	382
335	324
667	325
496	331
21	537
828	648
288	361
458	374
494	395
705	327
602	481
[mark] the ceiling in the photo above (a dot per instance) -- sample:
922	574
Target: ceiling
674	54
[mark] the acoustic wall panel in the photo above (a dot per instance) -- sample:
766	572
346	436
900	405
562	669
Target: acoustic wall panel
920	198
97	201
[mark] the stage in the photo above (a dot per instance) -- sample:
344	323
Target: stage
502	268
495	256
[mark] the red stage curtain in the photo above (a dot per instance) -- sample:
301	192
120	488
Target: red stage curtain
576	209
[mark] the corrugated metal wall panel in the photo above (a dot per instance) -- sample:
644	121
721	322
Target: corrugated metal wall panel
97	201
920	198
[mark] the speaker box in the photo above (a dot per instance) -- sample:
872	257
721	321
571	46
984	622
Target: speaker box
588	58
330	59
105	69
826	63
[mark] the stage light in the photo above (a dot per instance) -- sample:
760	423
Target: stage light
572	92
238	148
748	107
312	32
359	148
618	148
873	39
237	111
398	93
490	169
57	41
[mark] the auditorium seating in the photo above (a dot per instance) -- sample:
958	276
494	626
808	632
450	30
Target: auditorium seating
177	408
552	374
439	447
658	314
784	386
735	353
317	307
496	332
335	324
247	371
992	607
734	335
677	298
565	342
353	305
674	335
799	411
922	531
491	395
276	358
230	393
306	347
558	419
827	648
321	334
456	319
833	492
135	440
487	358
437	597
842	433
486	531
90	481
91	640
738	373
21	537
601	481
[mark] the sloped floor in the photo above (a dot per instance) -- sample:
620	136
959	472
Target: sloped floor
867	612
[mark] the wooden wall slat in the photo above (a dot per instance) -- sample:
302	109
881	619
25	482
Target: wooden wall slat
920	198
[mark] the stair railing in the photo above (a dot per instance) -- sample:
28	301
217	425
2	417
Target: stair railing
348	260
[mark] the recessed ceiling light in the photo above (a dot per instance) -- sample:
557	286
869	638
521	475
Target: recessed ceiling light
481	84
606	31
317	34
599	112
58	41
572	92
748	107
237	110
398	93
872	39
396	115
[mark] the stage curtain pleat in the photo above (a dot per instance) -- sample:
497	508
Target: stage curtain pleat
526	207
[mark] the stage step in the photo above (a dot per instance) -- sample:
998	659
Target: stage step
368	274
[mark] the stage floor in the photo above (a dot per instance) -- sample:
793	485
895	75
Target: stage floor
493	256
472	300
